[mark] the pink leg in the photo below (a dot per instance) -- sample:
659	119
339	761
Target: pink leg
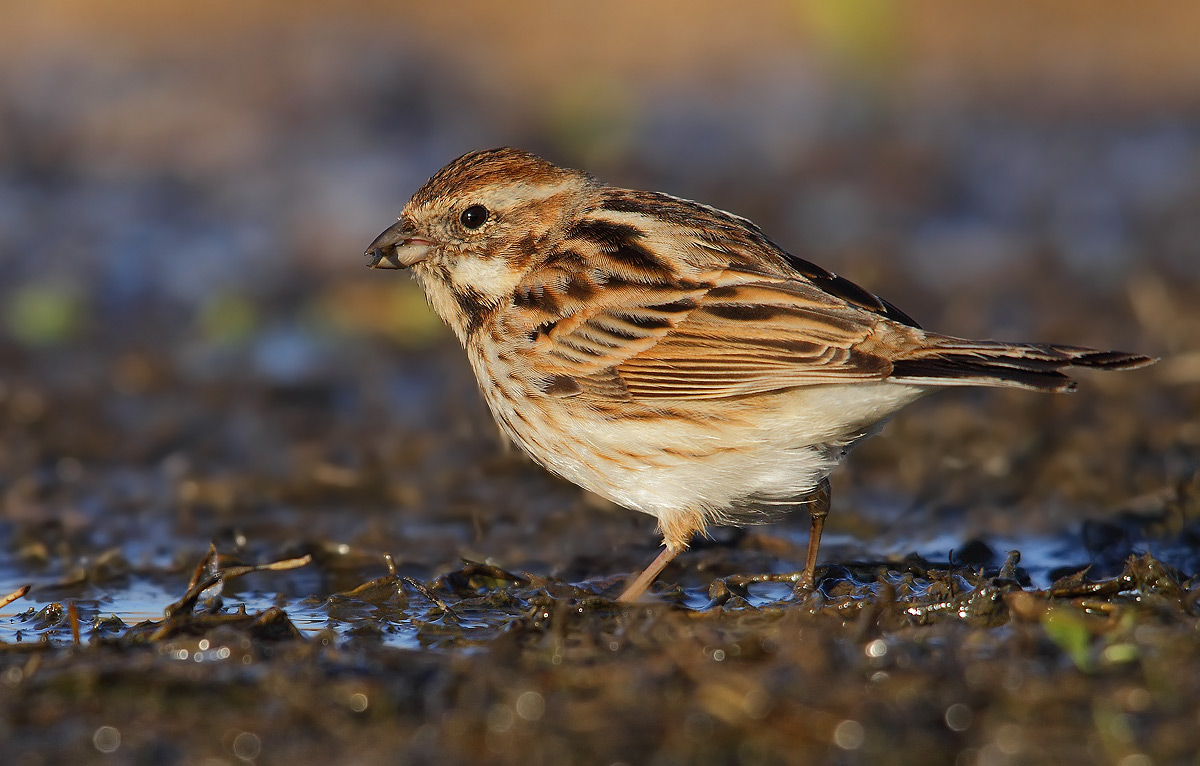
636	588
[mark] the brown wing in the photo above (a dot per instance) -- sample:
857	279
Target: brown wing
722	316
658	298
752	338
738	335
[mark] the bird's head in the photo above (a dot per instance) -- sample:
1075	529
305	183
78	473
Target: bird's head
474	230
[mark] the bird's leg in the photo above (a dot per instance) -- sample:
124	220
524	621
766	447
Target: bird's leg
677	529
643	581
818	509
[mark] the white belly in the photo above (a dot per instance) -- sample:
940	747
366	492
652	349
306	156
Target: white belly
719	456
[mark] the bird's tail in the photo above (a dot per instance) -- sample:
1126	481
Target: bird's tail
948	361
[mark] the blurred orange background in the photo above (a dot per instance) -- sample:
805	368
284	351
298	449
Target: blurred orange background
171	160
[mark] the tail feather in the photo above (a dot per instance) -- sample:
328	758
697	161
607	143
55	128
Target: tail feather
1038	366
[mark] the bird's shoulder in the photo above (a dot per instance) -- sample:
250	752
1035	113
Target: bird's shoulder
654	239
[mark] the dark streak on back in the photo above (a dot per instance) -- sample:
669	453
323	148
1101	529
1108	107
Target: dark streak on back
843	288
621	243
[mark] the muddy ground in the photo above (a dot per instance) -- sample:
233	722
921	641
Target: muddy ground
265	517
495	638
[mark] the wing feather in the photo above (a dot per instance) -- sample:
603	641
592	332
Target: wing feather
736	319
736	339
751	339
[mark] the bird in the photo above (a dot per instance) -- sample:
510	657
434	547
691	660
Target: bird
668	355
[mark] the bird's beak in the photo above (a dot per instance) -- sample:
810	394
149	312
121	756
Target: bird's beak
398	247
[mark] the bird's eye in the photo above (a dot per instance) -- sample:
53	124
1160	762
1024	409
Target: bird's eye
474	216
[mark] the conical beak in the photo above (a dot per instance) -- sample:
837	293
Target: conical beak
398	247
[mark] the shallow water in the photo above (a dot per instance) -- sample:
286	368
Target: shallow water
400	614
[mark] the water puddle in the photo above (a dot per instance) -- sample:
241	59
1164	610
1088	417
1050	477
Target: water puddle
474	606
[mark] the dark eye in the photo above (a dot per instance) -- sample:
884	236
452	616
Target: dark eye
474	216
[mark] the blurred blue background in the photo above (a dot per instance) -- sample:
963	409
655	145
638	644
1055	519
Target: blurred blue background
212	172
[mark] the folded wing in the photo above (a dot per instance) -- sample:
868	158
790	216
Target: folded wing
735	335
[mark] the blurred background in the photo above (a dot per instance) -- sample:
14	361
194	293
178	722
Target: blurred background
213	171
186	190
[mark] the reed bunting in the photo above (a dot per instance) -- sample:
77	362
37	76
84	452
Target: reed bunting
668	355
